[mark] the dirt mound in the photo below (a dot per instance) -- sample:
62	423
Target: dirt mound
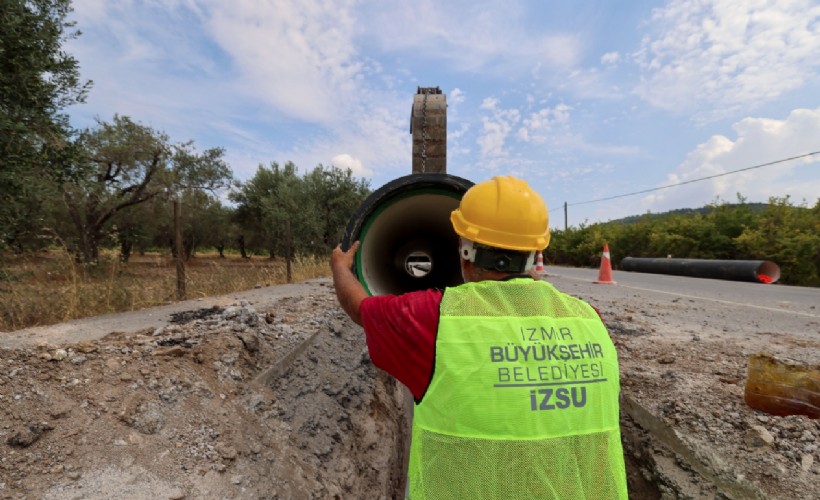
180	411
687	428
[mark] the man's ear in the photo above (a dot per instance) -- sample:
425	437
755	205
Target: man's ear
467	270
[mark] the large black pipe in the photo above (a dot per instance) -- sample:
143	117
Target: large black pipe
407	240
760	271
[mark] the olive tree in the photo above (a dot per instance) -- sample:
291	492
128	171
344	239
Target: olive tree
38	81
122	164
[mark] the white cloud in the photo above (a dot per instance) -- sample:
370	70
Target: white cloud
455	97
610	58
345	161
496	126
758	141
472	35
548	129
560	51
377	139
88	10
246	75
494	134
537	125
489	103
725	56
297	56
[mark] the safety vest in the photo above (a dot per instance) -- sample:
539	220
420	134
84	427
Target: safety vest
523	401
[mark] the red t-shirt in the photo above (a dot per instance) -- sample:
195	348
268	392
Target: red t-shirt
401	335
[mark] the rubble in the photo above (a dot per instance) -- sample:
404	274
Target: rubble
174	410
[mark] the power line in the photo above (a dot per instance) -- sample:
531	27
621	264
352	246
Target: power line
693	180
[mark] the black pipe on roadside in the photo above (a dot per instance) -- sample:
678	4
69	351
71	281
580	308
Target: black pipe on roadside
759	271
407	240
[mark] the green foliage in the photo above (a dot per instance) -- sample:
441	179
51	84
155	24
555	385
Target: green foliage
335	195
577	247
790	237
124	164
315	208
779	231
251	198
207	223
38	80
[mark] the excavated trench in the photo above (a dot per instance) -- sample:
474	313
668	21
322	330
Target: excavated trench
355	419
658	464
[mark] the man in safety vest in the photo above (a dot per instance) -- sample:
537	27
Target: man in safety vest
515	383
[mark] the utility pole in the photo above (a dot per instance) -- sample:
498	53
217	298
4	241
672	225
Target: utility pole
180	250
565	216
288	252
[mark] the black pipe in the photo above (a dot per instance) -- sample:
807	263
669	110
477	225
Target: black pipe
760	271
407	240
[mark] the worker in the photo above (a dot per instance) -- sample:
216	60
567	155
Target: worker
515	383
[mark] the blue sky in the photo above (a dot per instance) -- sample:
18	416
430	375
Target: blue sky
583	99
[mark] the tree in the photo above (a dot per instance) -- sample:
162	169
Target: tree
789	236
288	213
124	164
139	227
205	222
38	80
731	220
336	195
249	198
214	222
272	202
316	207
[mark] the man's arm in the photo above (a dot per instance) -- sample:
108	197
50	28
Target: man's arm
349	291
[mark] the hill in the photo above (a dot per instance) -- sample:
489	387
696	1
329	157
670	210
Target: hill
708	209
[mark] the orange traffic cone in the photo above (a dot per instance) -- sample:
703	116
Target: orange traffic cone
539	264
605	274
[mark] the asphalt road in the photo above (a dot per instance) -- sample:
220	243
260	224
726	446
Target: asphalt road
698	303
802	301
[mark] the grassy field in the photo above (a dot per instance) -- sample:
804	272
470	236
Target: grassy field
51	287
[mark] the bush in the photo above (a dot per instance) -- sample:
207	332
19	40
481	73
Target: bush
779	231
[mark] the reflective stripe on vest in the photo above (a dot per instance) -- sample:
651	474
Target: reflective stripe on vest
523	402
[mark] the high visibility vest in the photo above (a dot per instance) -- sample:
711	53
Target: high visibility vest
523	401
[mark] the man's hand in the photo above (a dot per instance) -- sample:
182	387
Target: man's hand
349	291
341	259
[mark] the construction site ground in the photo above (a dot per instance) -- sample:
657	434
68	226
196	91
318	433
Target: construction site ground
271	394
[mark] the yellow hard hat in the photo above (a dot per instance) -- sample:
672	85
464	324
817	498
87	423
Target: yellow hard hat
503	212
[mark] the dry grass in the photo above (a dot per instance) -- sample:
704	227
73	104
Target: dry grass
51	288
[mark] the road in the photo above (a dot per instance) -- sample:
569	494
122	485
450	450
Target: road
800	301
730	306
97	327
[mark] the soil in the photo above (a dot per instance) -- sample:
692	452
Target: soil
272	395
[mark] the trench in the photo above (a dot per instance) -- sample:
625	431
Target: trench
658	464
